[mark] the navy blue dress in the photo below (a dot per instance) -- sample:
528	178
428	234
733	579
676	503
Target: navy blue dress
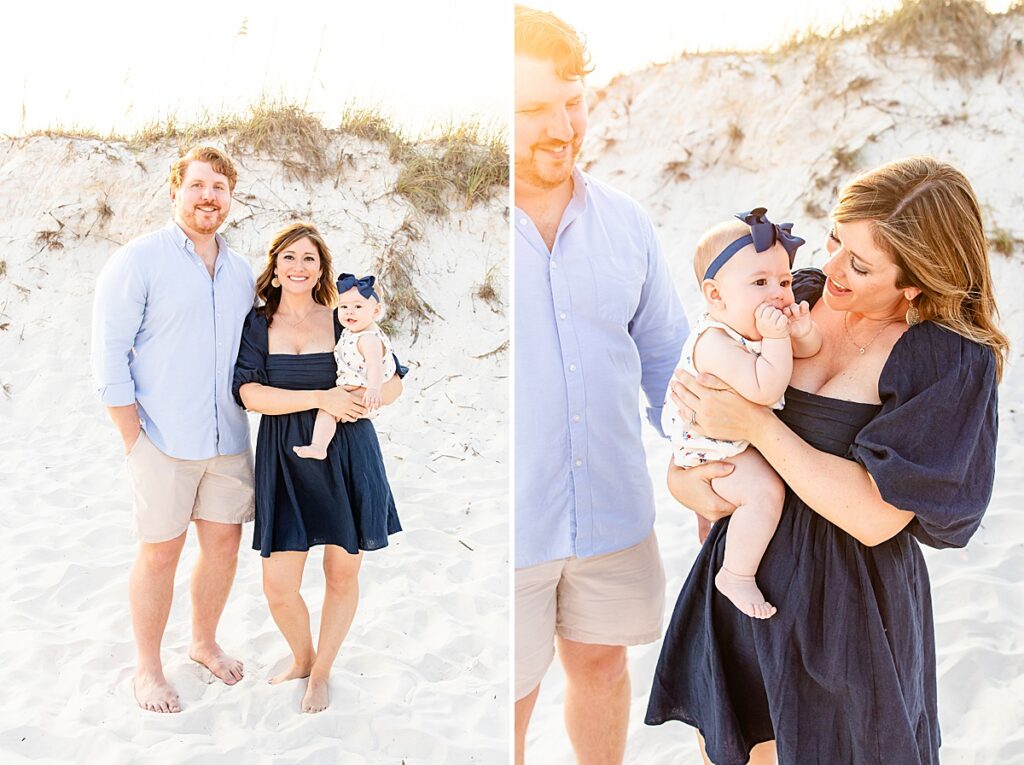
844	673
343	500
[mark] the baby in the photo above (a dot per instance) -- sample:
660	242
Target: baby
363	354
747	337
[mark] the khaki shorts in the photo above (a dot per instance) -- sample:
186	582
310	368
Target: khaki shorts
170	492
612	599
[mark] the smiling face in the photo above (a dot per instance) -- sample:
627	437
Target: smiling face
550	123
203	200
861	276
748	279
356	312
298	266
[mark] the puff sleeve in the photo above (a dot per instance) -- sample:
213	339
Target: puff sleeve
251	365
931	449
808	284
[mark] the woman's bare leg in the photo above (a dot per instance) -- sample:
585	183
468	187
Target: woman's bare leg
762	754
282	577
341	596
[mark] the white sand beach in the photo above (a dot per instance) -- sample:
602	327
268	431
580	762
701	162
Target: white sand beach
422	677
706	136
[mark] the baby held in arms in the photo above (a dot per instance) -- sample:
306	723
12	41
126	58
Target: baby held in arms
363	355
750	332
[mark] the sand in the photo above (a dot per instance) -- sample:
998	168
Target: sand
422	677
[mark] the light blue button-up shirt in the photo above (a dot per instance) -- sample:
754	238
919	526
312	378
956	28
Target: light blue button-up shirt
166	335
596	320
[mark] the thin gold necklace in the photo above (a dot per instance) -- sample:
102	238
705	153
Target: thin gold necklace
297	323
858	346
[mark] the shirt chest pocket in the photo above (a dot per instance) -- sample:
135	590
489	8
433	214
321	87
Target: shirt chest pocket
616	291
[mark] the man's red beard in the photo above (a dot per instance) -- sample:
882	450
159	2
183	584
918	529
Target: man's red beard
531	172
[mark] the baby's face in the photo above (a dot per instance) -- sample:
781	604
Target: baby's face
355	312
748	279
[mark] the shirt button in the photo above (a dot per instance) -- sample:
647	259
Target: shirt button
561	315
572	367
579	463
522	221
554	264
575	418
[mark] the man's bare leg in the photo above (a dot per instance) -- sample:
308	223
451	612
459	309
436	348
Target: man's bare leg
762	754
150	590
282	578
524	709
341	597
596	700
211	583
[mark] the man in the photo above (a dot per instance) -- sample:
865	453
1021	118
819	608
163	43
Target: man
597	318
167	320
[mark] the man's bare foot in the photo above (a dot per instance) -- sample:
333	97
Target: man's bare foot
311	452
219	663
315	699
154	693
296	671
743	592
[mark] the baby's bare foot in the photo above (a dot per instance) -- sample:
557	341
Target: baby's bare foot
219	663
311	452
154	693
743	592
315	699
294	672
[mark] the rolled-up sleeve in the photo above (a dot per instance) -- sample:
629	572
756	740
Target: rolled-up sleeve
118	309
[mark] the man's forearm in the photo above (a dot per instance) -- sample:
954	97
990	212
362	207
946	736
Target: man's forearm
126	420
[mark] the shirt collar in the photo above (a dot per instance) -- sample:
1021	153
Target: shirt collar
181	238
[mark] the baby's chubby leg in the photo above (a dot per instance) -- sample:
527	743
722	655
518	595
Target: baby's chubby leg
758	493
323	431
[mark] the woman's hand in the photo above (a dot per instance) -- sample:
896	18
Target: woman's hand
716	410
692	487
341	404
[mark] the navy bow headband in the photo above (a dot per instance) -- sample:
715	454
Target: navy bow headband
364	285
763	235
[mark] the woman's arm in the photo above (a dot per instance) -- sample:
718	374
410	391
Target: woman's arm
691	487
839	490
338	402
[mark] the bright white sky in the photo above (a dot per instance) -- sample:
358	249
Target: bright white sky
119	64
630	34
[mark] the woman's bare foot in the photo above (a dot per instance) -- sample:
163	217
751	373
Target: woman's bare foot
311	452
743	592
315	699
154	693
296	671
219	663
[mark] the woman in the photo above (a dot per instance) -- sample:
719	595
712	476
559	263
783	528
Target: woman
286	371
887	440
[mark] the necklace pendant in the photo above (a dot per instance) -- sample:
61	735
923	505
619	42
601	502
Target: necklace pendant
862	351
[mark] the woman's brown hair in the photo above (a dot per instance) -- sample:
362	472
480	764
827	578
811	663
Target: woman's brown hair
324	293
925	215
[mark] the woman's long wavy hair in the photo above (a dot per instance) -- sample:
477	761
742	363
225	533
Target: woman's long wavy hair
925	215
324	293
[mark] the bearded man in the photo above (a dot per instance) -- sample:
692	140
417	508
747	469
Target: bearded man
167	319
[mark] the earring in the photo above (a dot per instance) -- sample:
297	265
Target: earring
913	315
275	283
